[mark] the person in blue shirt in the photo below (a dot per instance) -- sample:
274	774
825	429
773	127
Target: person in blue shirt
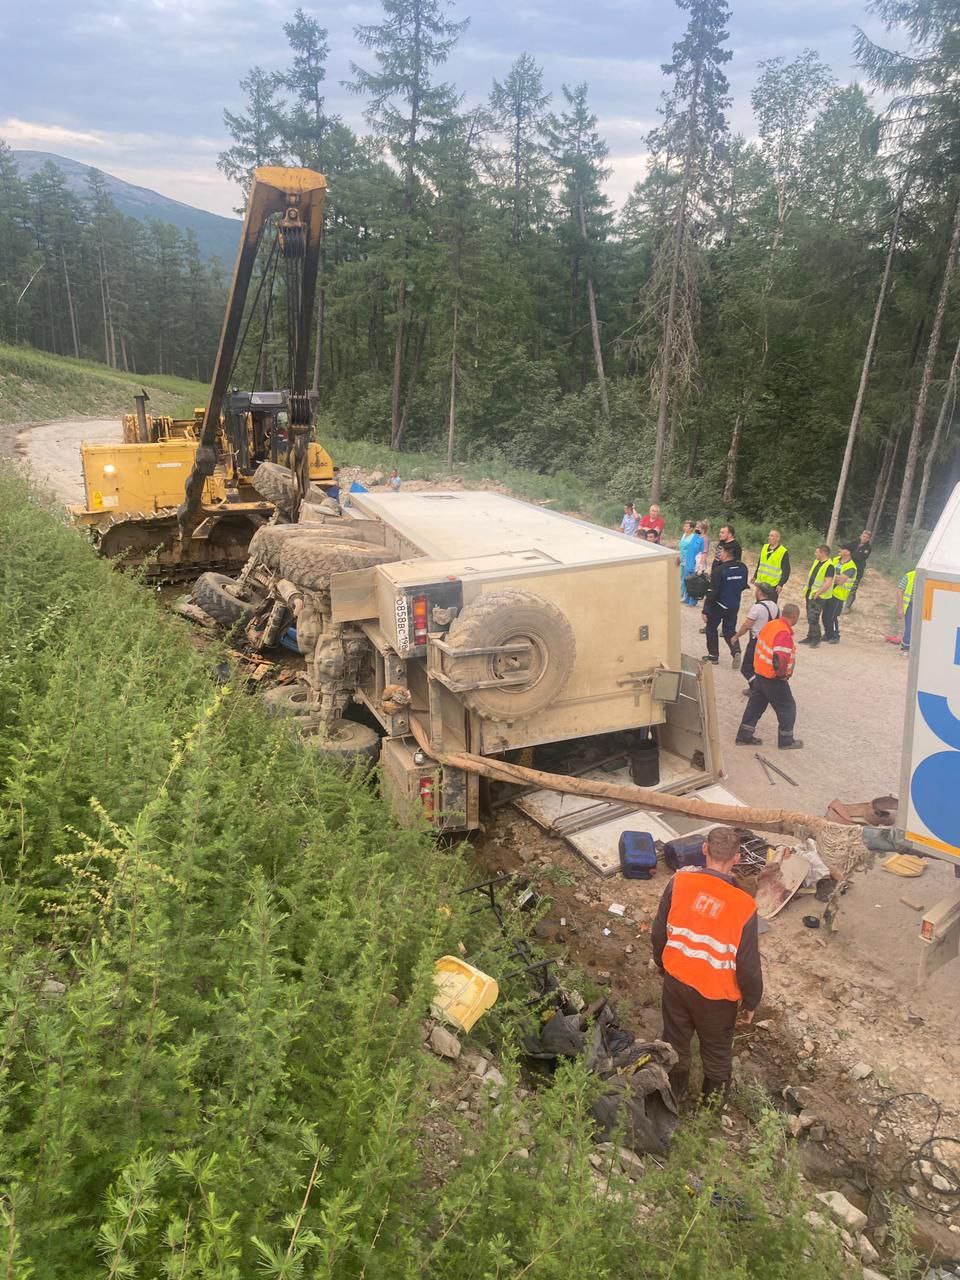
691	548
631	521
728	581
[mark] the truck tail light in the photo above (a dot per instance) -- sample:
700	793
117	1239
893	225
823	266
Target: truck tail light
420	620
926	930
427	797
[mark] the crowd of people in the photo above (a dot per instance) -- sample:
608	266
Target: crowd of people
716	585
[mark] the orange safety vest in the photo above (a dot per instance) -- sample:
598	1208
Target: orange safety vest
776	637
704	926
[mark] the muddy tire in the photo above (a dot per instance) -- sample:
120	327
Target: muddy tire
343	742
276	484
509	617
309	562
215	593
267	543
289	700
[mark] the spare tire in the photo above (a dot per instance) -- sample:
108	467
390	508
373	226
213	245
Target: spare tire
343	742
309	562
277	485
290	700
216	594
510	617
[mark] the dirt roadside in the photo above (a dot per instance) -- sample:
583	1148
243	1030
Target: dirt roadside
832	1002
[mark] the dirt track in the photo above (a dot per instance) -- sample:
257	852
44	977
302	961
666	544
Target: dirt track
833	1002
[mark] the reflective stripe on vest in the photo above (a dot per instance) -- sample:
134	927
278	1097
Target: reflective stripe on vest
816	577
844	576
770	568
704	927
908	589
776	637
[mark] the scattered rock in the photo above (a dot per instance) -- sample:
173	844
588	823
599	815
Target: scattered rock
868	1253
493	1081
630	1163
940	1183
862	1071
475	1063
463	1106
842	1211
444	1043
816	1220
596	1160
817	1133
51	987
872	1275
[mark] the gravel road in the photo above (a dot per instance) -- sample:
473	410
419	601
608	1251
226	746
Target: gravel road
51	451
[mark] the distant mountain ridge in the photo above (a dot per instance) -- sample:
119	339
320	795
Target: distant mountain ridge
217	236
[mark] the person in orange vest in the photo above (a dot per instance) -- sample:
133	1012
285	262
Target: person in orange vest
773	663
706	945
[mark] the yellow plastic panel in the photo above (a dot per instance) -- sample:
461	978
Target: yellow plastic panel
464	993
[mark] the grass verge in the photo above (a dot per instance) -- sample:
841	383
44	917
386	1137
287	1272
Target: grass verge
36	387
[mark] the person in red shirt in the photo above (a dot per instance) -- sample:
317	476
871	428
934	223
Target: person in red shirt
773	663
653	521
705	943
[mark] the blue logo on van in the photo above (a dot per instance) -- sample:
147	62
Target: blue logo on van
935	787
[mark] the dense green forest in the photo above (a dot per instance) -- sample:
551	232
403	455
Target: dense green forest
79	278
768	314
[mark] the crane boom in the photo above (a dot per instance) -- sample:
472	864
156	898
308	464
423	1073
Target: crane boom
297	195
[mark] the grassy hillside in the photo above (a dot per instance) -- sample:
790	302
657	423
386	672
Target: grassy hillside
35	387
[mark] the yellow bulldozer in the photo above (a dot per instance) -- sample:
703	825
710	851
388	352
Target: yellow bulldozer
180	496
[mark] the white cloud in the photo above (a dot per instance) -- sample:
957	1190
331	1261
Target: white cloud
29	135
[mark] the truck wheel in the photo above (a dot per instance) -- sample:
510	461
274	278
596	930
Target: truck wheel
343	742
510	617
288	700
309	562
216	594
276	484
269	540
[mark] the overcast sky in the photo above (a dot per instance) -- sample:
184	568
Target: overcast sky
138	87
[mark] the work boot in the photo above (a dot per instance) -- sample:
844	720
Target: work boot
713	1093
710	657
810	641
679	1082
790	744
833	640
746	738
736	655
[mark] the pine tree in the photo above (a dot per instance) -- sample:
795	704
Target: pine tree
256	135
578	154
406	109
688	148
517	108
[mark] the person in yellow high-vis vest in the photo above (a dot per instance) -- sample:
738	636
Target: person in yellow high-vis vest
818	593
773	567
844	578
905	606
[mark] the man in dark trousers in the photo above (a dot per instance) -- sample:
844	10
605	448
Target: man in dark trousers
728	581
725	537
818	594
861	554
763	610
773	663
705	943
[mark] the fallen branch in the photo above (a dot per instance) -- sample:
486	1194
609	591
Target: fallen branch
833	839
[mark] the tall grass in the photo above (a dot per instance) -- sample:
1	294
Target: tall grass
214	958
35	386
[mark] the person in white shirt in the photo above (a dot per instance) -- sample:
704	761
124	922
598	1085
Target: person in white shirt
764	610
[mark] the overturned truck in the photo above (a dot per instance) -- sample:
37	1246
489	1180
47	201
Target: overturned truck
470	621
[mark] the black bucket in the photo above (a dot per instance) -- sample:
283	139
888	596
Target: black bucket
644	761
